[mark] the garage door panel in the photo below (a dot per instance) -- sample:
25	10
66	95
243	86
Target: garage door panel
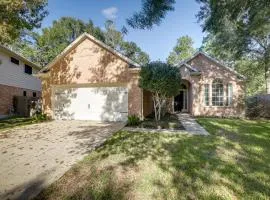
96	103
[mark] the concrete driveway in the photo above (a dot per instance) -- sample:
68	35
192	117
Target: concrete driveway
34	156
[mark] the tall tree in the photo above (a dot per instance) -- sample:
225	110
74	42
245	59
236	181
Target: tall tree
152	13
43	47
132	51
212	46
182	50
52	40
115	39
19	15
242	27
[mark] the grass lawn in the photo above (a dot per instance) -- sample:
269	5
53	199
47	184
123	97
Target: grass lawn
17	121
232	163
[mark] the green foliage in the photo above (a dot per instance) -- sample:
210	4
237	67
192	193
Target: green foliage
240	27
56	38
163	81
17	16
43	47
132	51
41	117
161	78
250	68
254	72
152	13
115	39
133	120
182	50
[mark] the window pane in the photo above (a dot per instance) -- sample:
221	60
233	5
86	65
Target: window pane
217	93
230	94
206	94
27	69
14	60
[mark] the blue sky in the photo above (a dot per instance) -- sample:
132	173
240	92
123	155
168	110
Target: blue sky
157	42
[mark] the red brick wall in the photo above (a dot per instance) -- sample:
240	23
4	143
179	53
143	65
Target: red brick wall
211	71
6	97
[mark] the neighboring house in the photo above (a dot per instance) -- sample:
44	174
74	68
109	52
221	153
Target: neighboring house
91	81
16	79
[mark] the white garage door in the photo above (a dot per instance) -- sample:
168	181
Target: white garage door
95	103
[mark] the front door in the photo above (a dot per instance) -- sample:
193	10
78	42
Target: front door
181	101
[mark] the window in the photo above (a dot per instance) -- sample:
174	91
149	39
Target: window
34	94
24	93
14	60
229	94
27	69
217	93
206	94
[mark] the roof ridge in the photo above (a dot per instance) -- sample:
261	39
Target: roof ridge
213	59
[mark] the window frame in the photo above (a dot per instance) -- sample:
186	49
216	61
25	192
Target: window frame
26	68
207	94
15	61
34	94
217	93
229	94
24	93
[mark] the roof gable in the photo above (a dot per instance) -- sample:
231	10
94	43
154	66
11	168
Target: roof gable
185	62
79	40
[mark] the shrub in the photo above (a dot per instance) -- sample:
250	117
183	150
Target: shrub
41	117
133	120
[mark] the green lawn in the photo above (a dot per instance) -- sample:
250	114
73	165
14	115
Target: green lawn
232	163
17	121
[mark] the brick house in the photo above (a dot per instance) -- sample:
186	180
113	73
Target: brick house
16	79
91	81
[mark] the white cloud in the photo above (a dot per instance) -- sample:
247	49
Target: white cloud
110	13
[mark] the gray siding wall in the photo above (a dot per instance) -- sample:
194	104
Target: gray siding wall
13	75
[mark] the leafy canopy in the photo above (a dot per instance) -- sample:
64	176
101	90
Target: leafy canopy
240	27
56	38
163	81
245	65
45	46
115	39
161	78
17	16
152	13
182	50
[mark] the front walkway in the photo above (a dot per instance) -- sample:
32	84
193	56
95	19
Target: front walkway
34	156
190	124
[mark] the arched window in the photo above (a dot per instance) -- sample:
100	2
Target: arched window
217	93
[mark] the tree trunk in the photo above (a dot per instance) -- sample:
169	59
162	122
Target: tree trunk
159	102
267	75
